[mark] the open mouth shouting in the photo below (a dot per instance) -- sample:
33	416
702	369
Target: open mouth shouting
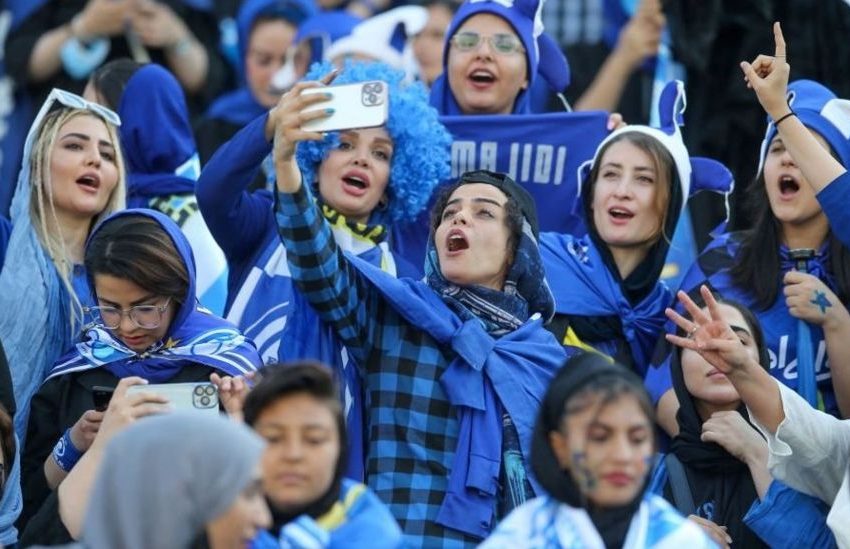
355	183
788	186
481	78
456	242
90	182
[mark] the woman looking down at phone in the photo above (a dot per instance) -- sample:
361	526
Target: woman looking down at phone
453	366
364	180
147	324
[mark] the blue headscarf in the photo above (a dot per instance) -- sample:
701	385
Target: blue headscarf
159	147
543	57
240	107
195	336
40	330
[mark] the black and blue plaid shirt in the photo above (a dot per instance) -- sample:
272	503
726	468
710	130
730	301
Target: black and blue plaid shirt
412	428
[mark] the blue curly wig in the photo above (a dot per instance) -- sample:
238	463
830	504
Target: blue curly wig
421	144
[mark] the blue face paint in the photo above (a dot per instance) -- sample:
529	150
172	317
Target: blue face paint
583	475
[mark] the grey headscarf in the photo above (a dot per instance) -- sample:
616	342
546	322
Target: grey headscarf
165	477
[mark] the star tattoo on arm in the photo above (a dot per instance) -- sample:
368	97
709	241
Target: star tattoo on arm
819	299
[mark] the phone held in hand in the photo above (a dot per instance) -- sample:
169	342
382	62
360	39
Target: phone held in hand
197	397
101	397
360	105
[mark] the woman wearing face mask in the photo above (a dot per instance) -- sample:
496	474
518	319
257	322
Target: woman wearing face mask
146	323
608	293
162	159
266	33
716	469
452	366
365	181
791	268
295	407
592	453
202	486
72	177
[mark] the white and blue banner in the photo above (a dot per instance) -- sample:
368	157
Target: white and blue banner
541	152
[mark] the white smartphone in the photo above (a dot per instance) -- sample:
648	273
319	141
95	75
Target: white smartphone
199	397
360	105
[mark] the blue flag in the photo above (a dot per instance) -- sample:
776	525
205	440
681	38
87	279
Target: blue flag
541	152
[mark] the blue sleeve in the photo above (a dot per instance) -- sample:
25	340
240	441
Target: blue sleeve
834	200
238	220
5	233
336	290
788	518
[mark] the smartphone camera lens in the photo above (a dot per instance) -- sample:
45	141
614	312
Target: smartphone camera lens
205	401
209	390
199	390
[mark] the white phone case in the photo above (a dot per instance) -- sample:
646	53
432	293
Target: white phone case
199	397
360	105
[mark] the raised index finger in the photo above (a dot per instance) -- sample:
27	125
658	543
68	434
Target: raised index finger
711	303
779	39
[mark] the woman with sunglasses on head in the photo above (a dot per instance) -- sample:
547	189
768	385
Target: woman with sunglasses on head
592	451
792	269
72	177
716	468
147	323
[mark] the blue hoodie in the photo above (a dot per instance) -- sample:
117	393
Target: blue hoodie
162	166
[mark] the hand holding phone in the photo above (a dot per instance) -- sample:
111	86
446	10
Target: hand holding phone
101	397
197	397
359	105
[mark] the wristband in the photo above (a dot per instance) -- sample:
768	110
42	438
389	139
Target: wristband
65	454
781	118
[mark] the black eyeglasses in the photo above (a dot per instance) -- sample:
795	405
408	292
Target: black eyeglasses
502	43
147	317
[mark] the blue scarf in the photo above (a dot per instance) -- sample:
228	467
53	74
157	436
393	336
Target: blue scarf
585	286
157	137
41	332
194	337
488	375
505	359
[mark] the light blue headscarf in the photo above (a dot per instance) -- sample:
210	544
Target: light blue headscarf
11	502
36	326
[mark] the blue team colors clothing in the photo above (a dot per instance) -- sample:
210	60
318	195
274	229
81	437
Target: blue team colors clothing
427	388
545	523
780	328
357	520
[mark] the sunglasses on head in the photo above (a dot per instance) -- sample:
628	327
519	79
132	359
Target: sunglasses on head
74	101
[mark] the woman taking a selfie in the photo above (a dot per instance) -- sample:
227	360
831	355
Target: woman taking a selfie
147	323
592	452
364	180
454	365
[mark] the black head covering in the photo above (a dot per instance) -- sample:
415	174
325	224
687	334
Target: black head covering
511	188
714	475
611	523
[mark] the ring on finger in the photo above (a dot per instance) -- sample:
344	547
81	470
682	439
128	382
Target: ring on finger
693	332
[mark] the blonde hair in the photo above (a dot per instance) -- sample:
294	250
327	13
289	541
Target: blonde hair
45	222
